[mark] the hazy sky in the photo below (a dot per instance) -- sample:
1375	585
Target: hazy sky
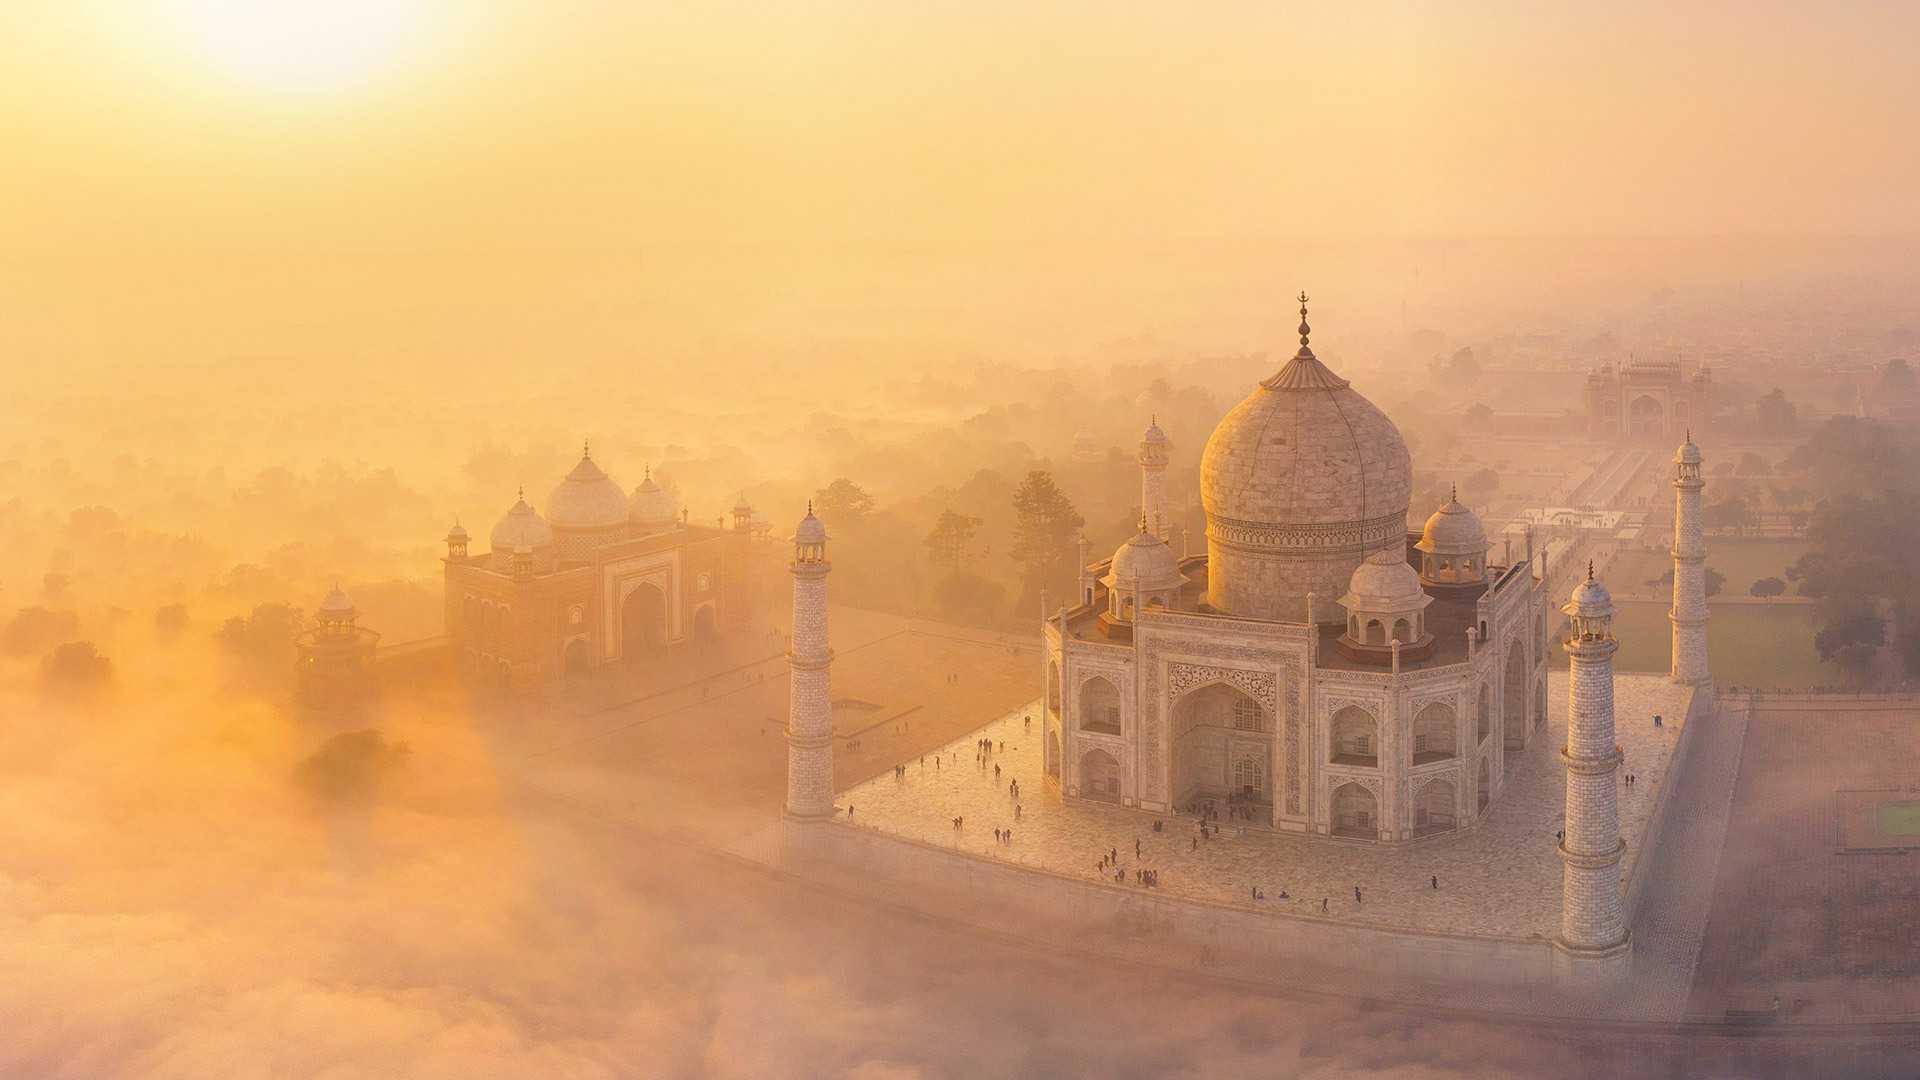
185	165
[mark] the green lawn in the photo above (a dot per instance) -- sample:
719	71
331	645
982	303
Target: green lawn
1747	645
1742	561
1900	818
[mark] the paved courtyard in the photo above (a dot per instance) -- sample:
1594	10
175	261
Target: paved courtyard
1500	878
1794	912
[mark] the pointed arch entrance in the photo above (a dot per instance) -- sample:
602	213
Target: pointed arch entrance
643	622
1513	695
1222	749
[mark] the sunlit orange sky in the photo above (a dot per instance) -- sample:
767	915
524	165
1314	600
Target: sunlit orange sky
181	177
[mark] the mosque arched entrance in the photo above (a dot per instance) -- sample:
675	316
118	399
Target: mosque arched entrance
643	622
578	657
1646	416
703	625
1222	747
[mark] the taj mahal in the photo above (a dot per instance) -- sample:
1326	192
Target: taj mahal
1318	664
1341	684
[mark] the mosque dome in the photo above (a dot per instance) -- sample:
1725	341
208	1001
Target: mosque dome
652	506
521	527
1299	481
587	499
1144	562
457	534
1454	530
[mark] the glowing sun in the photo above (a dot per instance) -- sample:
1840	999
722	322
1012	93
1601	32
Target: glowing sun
301	45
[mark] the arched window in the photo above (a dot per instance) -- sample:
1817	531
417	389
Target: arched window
1402	632
1354	738
1053	685
1248	715
1376	633
1099	776
1355	812
1249	776
1353	627
1099	707
1433	733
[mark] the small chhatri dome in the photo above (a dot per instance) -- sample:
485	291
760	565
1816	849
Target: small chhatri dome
1454	529
811	529
457	534
651	505
1385	582
337	607
521	527
1590	599
1154	434
587	499
1688	454
741	504
1144	562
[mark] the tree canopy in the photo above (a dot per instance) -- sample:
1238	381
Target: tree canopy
1045	527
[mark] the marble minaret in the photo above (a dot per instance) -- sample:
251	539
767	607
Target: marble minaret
1154	454
810	704
1689	613
1593	928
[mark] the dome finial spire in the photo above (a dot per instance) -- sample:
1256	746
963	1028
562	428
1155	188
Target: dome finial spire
1589	569
523	493
586	448
1304	328
1454	494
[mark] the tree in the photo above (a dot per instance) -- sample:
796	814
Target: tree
1752	464
1481	483
1768	587
950	536
1854	632
352	765
35	628
1463	363
75	668
1045	526
842	503
1727	514
1774	413
1897	377
1713	581
1479	414
263	640
170	619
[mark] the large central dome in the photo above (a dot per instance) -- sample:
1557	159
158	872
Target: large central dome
1300	481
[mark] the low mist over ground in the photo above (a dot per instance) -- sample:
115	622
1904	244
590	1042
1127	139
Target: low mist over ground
286	291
